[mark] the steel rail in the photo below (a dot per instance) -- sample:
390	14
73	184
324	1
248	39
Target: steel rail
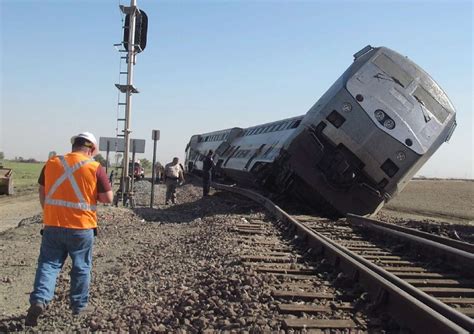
447	311
453	255
439	239
404	307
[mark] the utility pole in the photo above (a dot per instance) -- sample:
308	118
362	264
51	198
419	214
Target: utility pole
128	107
134	41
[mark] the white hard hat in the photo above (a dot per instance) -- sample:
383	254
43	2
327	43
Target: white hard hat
89	137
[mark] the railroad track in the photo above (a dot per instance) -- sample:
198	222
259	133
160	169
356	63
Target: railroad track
423	281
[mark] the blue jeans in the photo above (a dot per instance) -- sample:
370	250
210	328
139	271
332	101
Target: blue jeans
56	244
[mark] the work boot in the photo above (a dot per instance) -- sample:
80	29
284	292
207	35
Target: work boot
33	314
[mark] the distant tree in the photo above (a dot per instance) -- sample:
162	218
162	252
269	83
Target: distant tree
2	156
145	163
52	154
100	159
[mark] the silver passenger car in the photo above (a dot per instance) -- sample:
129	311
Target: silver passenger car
358	146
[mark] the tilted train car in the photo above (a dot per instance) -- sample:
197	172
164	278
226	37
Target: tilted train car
356	148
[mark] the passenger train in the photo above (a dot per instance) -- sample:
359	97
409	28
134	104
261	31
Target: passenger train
354	150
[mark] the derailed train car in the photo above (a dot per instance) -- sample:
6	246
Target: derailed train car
354	150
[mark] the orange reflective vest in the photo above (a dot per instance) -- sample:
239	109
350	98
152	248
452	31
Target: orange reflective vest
71	191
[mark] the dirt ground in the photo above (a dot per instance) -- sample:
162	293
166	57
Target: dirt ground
446	200
422	202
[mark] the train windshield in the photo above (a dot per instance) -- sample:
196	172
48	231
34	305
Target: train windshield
392	70
430	103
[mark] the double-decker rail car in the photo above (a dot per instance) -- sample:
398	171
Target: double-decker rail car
358	146
199	145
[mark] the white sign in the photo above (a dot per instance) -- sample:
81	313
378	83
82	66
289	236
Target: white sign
113	144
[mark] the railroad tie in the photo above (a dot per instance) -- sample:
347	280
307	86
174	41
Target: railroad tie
448	292
304	295
303	323
300	308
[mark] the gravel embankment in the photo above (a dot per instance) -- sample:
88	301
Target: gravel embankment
161	270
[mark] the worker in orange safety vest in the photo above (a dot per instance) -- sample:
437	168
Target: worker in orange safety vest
69	188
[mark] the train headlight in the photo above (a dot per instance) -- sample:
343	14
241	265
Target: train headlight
401	156
346	107
389	123
379	115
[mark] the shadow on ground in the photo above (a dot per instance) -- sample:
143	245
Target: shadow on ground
216	204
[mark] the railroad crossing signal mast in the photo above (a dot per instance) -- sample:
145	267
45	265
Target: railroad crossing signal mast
134	42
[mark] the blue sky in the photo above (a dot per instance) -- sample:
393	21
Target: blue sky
211	65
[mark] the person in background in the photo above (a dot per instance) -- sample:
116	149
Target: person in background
173	176
69	188
207	167
159	172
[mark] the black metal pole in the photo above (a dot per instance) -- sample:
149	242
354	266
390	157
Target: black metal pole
107	158
133	174
153	175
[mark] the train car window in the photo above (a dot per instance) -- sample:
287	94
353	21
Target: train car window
430	103
267	151
296	124
393	70
230	155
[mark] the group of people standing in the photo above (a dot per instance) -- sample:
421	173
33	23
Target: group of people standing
70	187
174	175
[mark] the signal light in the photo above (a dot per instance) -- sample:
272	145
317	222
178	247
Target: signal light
141	28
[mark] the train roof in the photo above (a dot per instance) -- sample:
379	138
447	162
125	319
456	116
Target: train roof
275	122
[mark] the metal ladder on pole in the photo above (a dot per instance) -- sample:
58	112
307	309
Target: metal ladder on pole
126	89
